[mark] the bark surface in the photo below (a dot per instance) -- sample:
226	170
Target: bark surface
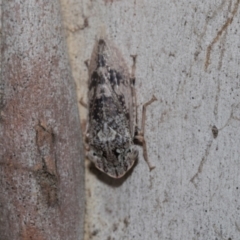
41	151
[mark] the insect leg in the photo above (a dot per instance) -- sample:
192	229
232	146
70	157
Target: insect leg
140	134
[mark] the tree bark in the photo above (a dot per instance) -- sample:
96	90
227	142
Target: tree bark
41	149
188	57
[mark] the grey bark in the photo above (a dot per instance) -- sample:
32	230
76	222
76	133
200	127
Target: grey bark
41	151
188	57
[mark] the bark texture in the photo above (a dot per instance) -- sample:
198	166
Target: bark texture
41	152
188	57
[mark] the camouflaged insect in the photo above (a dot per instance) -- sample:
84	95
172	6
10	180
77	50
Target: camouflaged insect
112	112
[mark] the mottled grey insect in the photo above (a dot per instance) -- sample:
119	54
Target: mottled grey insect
112	128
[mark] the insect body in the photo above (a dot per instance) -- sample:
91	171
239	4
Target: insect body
112	112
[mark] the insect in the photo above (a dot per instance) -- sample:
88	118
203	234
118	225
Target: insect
112	125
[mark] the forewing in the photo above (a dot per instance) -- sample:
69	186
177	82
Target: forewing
108	59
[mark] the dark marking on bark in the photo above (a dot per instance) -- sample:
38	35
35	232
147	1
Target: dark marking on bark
47	175
214	131
95	232
126	221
